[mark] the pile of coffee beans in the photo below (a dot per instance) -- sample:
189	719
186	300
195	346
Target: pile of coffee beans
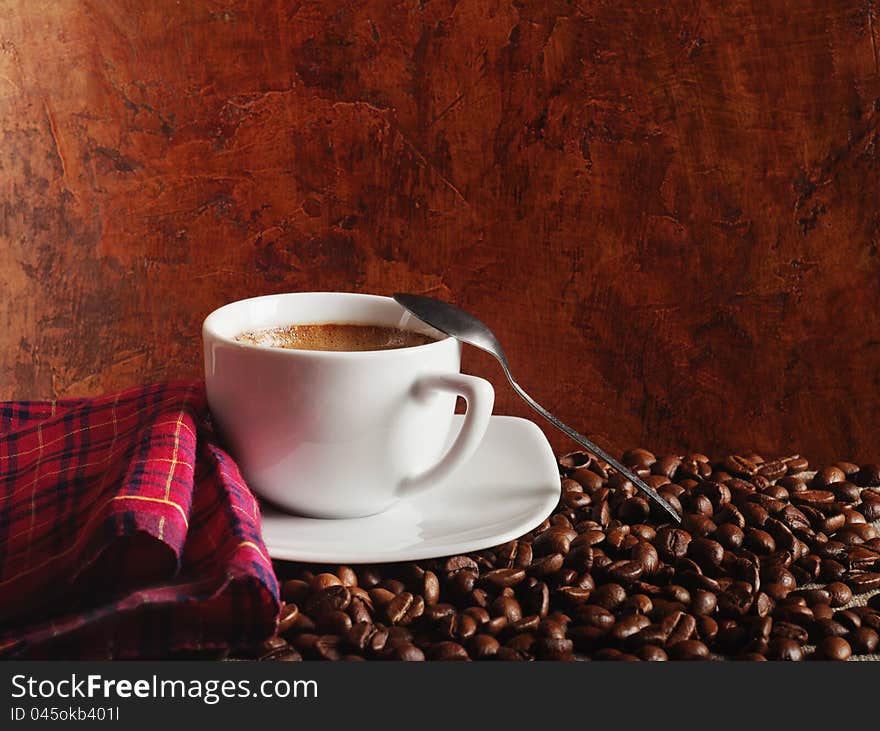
771	562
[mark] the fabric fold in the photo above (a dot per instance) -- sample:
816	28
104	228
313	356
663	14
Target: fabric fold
126	530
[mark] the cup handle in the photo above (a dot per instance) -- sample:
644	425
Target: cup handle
480	397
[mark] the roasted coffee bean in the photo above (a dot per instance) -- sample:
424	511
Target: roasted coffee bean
839	593
701	505
643	532
759	541
707	628
380	597
288	654
813	596
594	616
688	650
783	577
334	597
483	647
729	535
500	578
827	628
638	458
672	543
848	468
677	593
334	623
777	592
436	612
287	618
527	625
706	552
515	554
323	581
863	640
458	626
863	581
639	603
773	470
813	498
628	625
666	466
552	627
833	648
652	653
680	627
831	570
610	596
646	556
295	591
359	635
634	510
698	525
624	572
782	648
327	647
546	565
848	618
860	558
554	540
368	576
868	475
703	602
480	615
430	588
553	648
738	465
403	652
845	491
536	599
272	646
796	465
857	530
506	607
461	583
359	610
828	476
789	630
404	608
572	596
573	461
446	651
347	576
301	624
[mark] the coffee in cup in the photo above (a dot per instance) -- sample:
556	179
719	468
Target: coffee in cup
346	337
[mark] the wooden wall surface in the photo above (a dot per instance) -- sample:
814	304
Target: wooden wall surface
668	211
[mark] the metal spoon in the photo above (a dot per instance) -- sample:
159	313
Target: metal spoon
465	327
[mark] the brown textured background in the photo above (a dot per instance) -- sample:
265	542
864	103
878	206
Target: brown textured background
670	214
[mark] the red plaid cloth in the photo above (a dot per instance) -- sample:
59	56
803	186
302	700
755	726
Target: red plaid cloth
125	531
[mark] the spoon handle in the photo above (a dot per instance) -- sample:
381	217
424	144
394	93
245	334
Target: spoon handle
600	453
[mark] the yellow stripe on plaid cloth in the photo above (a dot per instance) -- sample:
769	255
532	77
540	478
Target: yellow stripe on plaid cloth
174	463
251	544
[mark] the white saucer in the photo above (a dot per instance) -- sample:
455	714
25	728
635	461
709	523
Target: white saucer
507	488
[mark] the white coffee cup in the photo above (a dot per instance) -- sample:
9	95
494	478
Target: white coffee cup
334	434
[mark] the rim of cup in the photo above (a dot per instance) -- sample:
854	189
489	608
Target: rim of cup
209	328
